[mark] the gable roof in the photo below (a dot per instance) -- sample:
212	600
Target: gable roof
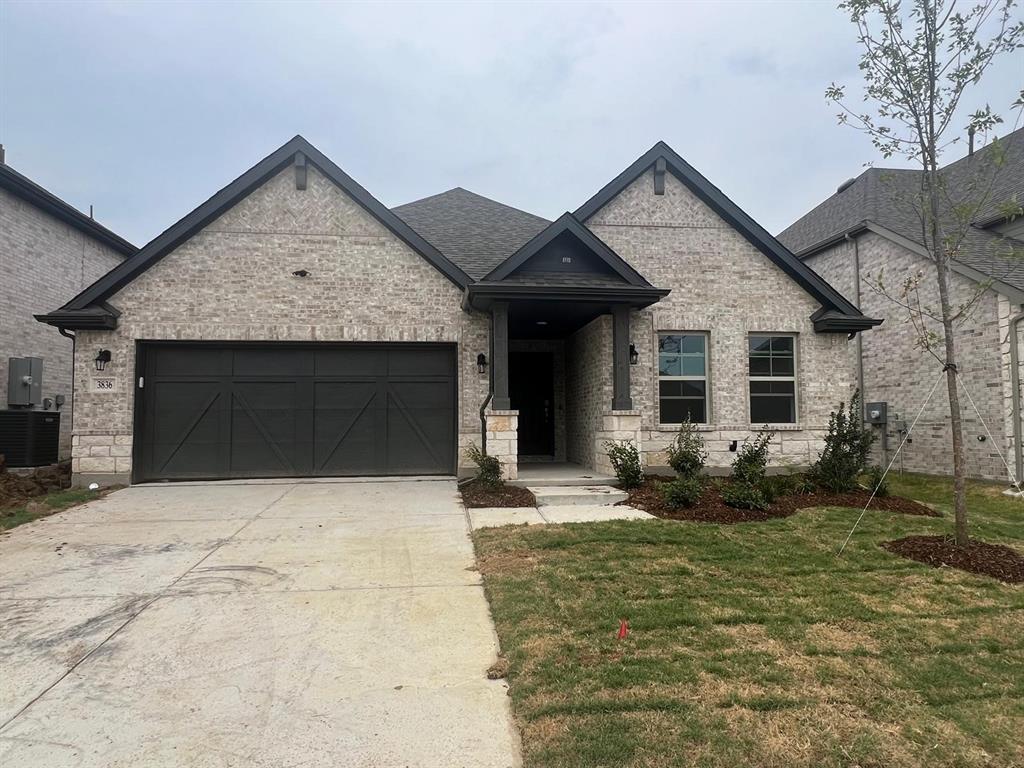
298	149
753	232
567	223
26	189
883	197
473	231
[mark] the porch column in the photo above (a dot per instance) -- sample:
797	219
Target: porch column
621	400
499	356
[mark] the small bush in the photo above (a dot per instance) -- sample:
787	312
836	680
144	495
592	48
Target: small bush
625	459
744	496
779	485
751	463
686	454
847	446
682	492
877	481
804	484
488	467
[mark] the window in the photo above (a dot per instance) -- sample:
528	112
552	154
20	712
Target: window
682	378
772	379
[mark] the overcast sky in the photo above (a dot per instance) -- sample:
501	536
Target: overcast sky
146	109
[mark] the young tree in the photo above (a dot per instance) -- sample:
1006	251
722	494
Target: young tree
919	60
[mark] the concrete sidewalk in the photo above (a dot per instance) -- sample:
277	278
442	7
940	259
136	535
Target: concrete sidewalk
320	624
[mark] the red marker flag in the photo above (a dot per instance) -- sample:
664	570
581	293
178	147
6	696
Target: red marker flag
623	629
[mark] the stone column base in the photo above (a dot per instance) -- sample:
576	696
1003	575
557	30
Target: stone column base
503	441
616	426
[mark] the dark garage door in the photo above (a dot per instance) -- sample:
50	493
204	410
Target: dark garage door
286	410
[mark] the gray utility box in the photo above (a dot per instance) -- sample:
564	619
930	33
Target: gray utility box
876	413
24	381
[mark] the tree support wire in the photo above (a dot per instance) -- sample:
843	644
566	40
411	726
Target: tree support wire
1002	454
1015	481
903	442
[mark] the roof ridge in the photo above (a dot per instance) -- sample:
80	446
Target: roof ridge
474	194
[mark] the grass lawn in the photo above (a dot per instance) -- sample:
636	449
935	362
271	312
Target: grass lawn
49	504
753	645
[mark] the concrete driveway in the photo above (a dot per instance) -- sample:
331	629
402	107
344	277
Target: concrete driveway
263	624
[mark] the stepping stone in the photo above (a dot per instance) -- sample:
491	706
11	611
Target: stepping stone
577	495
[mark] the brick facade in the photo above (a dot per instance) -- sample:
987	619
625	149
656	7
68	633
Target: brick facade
44	262
233	281
899	372
722	285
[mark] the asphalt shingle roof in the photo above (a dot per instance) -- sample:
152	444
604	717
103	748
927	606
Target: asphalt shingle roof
885	197
474	232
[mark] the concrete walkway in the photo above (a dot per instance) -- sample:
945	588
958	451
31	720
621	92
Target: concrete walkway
320	624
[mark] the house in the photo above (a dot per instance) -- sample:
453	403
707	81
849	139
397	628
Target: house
49	251
869	228
294	325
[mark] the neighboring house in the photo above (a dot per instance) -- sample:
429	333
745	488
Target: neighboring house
868	228
49	252
293	325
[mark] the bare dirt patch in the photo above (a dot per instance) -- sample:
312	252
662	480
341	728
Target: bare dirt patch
712	509
995	560
17	488
477	495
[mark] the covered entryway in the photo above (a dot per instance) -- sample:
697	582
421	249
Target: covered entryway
220	410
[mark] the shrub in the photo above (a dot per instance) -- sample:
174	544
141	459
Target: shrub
686	453
488	467
682	492
877	481
779	485
751	463
847	446
625	459
804	484
744	496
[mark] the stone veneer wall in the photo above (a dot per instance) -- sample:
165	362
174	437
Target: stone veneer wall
43	264
588	388
899	373
720	284
233	281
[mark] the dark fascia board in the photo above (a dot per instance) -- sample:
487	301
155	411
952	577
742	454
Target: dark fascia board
715	199
23	187
568	223
831	321
97	317
174	236
480	295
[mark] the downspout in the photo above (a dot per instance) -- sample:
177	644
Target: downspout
1018	459
64	332
467	307
860	338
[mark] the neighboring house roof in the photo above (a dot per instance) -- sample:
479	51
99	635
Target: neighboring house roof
661	154
882	199
475	232
23	187
297	152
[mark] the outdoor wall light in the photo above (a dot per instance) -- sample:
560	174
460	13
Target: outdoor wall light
634	356
102	359
481	363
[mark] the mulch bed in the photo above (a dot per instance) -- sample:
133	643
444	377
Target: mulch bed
993	560
17	488
711	508
476	495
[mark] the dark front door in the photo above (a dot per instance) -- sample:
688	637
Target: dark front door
531	390
294	410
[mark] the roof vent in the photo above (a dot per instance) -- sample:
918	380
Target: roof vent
845	185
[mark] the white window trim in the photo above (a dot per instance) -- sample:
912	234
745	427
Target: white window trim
706	378
794	378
